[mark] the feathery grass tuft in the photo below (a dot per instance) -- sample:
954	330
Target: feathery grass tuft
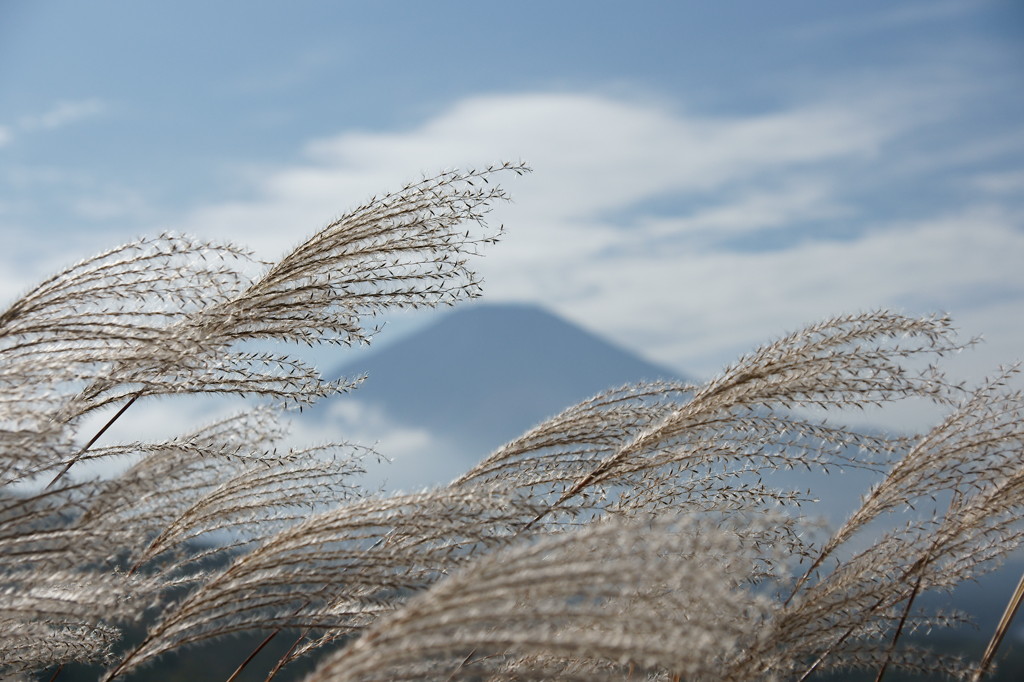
645	533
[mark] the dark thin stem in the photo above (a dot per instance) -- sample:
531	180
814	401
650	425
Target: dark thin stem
262	644
93	440
281	662
461	665
57	672
899	628
918	567
954	503
247	661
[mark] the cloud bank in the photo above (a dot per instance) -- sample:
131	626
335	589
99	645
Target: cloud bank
690	238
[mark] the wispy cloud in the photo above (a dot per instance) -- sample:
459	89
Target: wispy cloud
688	237
1001	183
63	114
108	202
716	303
58	116
297	70
595	156
903	16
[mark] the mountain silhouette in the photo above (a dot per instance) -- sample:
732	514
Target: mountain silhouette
485	373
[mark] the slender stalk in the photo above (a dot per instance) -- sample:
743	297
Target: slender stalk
283	660
260	647
899	628
92	441
913	595
462	664
1000	632
269	638
919	568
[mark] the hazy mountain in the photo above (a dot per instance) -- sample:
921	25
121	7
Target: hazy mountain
485	373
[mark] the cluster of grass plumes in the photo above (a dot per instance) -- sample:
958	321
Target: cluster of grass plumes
175	315
661	594
642	534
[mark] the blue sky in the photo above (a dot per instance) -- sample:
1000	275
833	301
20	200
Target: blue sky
707	175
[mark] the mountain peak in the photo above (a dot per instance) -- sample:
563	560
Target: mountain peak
485	373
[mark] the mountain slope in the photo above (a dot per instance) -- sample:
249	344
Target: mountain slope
485	373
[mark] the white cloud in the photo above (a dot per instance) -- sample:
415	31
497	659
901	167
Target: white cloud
414	456
597	153
700	308
584	236
63	114
1001	183
60	115
592	155
751	210
673	285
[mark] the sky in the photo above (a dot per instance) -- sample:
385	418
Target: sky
707	176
